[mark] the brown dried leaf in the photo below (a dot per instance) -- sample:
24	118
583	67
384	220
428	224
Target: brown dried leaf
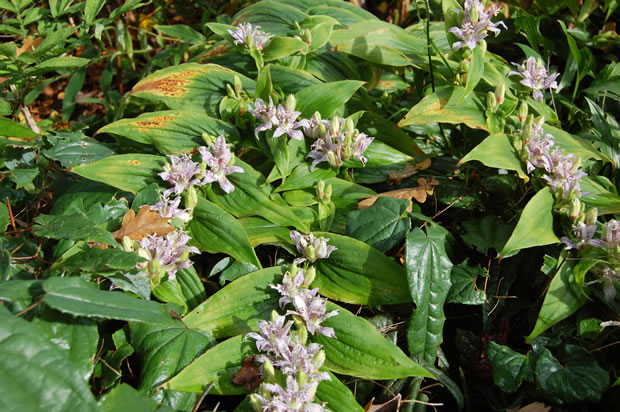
30	45
146	223
391	405
396	177
420	193
532	407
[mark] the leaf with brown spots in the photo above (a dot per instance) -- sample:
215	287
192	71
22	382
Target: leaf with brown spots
146	223
420	193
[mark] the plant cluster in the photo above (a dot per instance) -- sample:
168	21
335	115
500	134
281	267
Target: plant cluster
178	232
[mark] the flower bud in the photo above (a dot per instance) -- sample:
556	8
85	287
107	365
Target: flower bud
208	139
500	93
237	84
332	159
293	269
328	192
349	127
184	256
491	102
576	209
301	378
474	16
269	373
203	168
256	404
309	276
274	315
302	332
591	216
319	359
127	244
334	126
154	268
230	92
144	253
523	111
320	189
192	198
310	254
306	36
527	129
290	103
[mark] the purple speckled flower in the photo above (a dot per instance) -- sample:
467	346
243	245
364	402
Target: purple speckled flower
611	234
180	172
534	75
170	208
247	35
537	147
264	113
312	309
272	335
360	144
218	158
316	126
167	254
311	248
283	118
565	173
290	286
293	398
584	236
475	24
326	149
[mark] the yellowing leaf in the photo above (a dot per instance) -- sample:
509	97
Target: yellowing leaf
420	193
146	223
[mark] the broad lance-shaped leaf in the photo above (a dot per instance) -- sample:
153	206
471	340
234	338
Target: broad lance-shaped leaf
165	349
447	105
235	308
253	197
535	226
360	350
130	172
215	231
36	373
428	275
190	86
476	69
359	274
496	151
171	131
77	297
262	231
124	397
326	98
562	299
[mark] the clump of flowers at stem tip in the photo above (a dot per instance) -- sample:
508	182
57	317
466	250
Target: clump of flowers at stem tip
534	75
164	254
311	248
282	117
219	160
340	141
181	172
169	208
250	36
475	24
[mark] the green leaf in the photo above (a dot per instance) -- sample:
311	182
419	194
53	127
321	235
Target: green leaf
273	17
190	87
91	9
82	300
562	299
447	105
279	47
464	289
326	98
36	373
381	225
130	172
183	32
9	128
218	365
262	231
172	131
389	133
302	177
4	217
359	274
337	395
291	80
380	42
535	226
214	230
252	197
360	350
574	145
264	84
475	72
124	397
235	308
71	227
579	378
509	367
15	290
76	337
73	88
94	259
165	349
599	192
496	151
428	276
191	286
59	63
485	233
71	154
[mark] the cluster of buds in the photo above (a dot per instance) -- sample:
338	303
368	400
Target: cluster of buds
310	248
288	352
496	99
164	254
564	171
339	141
249	36
217	163
534	75
476	24
283	118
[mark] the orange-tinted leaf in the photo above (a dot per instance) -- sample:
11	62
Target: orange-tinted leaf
420	193
146	223
410	169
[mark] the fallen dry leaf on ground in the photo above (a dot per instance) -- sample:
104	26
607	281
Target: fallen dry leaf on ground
391	405
397	176
420	193
146	223
532	407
